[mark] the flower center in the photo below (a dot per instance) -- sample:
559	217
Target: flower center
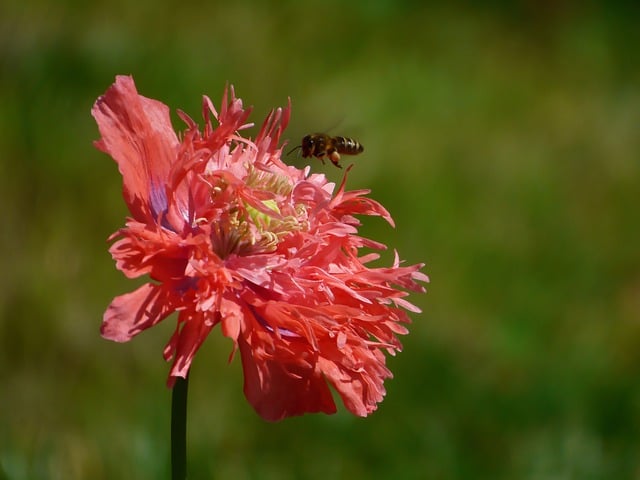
255	221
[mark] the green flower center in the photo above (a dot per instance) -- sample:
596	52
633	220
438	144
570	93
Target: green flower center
245	228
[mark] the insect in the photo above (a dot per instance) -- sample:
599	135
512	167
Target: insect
321	145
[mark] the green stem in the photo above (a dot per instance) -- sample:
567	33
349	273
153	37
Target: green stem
179	429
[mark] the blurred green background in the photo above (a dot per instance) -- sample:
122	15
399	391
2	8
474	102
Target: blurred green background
503	138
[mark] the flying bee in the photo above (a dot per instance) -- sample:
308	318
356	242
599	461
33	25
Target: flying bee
321	145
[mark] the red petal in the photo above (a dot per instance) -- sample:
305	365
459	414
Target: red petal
137	133
360	391
276	389
193	333
134	312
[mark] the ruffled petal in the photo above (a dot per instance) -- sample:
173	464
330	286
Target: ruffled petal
137	132
131	313
193	329
276	389
361	384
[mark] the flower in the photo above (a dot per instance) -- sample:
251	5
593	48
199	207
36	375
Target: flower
228	234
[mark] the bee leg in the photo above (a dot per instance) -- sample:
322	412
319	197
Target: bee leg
335	158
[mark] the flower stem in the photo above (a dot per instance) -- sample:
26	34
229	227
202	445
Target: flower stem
179	429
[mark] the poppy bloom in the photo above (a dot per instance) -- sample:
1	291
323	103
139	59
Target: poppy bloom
228	234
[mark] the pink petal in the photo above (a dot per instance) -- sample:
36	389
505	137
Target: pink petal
193	333
131	313
137	133
277	390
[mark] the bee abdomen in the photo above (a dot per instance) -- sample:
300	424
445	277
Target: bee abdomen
348	146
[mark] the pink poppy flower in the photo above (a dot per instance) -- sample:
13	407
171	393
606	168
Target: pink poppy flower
228	234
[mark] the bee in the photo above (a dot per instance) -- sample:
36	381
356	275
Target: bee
321	145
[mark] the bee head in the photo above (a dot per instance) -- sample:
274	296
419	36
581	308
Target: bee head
307	141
